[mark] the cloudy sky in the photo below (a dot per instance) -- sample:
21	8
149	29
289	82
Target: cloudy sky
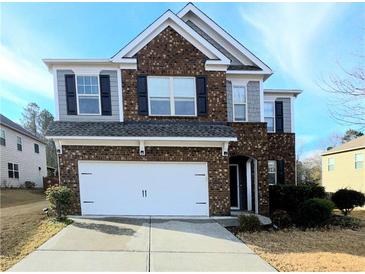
302	43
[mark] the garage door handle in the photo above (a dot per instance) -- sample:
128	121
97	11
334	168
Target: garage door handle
88	202
201	203
199	174
144	193
86	173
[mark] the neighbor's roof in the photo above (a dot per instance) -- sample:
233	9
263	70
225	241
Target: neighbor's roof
139	129
358	143
4	121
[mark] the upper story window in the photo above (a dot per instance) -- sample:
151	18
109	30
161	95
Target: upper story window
272	172
269	114
2	137
88	95
13	170
239	104
19	144
331	164
171	96
359	160
36	148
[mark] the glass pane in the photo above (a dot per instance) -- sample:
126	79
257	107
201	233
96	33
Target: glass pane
88	105
87	80
269	109
10	166
80	89
16	174
18	140
359	157
270	124
271	178
272	167
94	89
184	107
158	87
80	80
10	173
160	107
239	96
2	133
184	87
87	89
94	80
239	112
16	167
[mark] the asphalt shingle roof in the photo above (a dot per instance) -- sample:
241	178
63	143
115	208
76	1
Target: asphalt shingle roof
5	121
140	129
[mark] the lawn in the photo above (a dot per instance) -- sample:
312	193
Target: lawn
317	250
23	225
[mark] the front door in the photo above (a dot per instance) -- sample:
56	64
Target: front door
234	182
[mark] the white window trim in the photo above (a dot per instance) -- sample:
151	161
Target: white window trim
171	97
328	164
272	102
2	132
233	103
89	95
18	138
276	171
359	161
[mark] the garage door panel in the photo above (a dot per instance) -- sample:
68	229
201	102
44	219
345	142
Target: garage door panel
115	188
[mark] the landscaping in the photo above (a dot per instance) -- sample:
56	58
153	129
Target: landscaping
308	233
24	226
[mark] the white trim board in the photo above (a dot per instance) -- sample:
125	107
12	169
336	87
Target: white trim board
141	138
170	19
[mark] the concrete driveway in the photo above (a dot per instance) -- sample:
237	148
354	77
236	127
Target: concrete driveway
122	244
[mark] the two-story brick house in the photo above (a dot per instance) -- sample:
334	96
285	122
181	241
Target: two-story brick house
176	123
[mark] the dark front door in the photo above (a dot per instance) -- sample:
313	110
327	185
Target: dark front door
234	182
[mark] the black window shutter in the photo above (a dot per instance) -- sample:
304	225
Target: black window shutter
280	164
279	117
106	101
142	95
71	94
201	95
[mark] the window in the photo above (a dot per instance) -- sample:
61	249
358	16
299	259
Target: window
269	113
36	148
272	172
359	160
19	143
13	170
172	96
88	95
239	103
2	137
331	164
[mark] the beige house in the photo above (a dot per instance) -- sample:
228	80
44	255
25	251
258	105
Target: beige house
343	166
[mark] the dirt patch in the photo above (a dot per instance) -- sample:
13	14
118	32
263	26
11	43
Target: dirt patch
317	250
23	225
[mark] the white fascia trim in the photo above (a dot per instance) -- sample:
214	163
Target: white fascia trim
215	67
224	34
55	94
50	63
283	92
202	139
244	72
170	19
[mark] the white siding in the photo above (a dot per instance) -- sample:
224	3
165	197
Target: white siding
28	161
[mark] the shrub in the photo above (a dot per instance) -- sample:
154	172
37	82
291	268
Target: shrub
281	218
315	212
60	199
249	223
345	222
346	200
291	197
29	184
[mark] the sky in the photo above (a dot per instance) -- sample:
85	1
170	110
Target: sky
303	43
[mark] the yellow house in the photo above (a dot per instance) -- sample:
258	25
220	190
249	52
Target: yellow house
343	166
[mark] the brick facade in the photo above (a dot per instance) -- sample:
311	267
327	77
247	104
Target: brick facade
171	54
281	146
253	142
219	201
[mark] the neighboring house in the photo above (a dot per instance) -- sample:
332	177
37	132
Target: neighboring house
23	155
176	123
343	166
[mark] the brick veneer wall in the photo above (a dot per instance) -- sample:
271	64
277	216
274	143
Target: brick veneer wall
281	146
218	171
170	54
253	142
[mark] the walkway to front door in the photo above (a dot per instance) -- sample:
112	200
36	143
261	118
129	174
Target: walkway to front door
116	244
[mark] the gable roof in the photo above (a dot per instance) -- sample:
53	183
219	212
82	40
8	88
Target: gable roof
5	121
358	143
170	19
191	8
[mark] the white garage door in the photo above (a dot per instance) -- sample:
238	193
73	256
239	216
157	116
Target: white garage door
143	188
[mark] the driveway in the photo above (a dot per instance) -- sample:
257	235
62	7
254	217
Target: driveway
127	244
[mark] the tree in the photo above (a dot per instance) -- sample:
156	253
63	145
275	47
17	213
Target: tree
37	122
347	199
351	134
30	116
347	96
